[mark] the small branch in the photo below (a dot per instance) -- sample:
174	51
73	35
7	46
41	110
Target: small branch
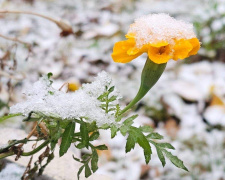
36	150
10	153
65	27
15	40
4	155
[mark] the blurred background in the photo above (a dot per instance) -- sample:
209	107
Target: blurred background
186	105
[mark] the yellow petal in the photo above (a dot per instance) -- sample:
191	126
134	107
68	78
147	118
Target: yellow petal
130	35
159	55
159	44
181	49
195	46
121	50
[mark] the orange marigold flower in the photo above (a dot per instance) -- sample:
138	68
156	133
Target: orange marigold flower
159	35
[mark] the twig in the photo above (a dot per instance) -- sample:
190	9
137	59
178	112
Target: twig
11	152
15	40
65	27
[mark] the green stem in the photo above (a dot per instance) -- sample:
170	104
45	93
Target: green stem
36	150
10	153
6	154
150	75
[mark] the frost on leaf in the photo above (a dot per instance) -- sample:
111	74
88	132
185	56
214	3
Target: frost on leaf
42	97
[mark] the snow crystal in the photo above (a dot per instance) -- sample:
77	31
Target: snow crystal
155	28
42	97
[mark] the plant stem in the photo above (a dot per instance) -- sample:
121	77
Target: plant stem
150	75
36	150
66	28
10	153
15	40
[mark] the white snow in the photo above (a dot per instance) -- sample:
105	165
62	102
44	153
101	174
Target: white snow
42	97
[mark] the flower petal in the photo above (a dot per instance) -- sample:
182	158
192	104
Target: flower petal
155	54
181	49
196	46
125	51
159	44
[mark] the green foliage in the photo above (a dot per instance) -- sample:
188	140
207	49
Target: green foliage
88	132
9	116
67	138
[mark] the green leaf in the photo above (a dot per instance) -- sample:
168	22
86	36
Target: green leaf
87	170
161	156
129	121
54	139
165	145
94	136
76	159
130	143
91	126
94	161
49	75
9	116
143	142
154	136
146	129
174	159
102	97
101	147
80	146
84	134
79	172
114	130
105	126
67	138
111	89
113	98
123	130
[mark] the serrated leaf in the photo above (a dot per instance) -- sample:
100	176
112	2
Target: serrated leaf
161	156
84	134
111	89
79	172
87	171
113	131
174	159
130	143
67	138
129	121
94	161
154	136
146	129
165	145
101	147
113	98
94	136
123	130
9	116
143	142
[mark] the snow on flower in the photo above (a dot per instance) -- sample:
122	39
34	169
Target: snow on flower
159	35
42	97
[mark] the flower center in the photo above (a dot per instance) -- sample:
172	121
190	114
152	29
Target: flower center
162	50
